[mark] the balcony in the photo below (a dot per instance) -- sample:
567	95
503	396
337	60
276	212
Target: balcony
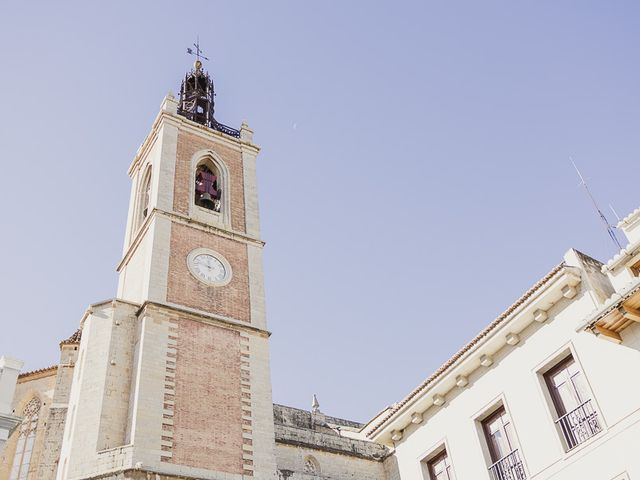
509	467
579	425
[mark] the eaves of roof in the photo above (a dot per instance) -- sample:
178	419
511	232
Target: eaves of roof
458	355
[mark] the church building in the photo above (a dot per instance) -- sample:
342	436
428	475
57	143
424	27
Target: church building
170	379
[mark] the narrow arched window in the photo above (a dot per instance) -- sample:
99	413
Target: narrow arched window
144	197
208	190
26	438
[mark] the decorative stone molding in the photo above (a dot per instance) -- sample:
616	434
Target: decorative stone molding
486	361
246	134
396	435
462	381
569	291
513	339
169	393
247	411
416	418
438	400
540	316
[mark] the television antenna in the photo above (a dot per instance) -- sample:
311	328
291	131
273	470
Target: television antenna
608	226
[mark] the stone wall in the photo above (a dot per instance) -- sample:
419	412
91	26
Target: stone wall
313	445
54	428
40	385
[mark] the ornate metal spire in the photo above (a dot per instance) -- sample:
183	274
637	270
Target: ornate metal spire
197	96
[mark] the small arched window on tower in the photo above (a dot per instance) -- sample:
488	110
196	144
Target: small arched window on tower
208	188
144	196
26	438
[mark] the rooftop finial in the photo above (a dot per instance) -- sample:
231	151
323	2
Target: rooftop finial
198	53
196	101
315	405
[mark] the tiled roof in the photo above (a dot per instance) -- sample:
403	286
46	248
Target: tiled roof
40	372
449	363
75	338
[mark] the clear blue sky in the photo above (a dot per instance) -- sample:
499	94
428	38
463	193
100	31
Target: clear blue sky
414	177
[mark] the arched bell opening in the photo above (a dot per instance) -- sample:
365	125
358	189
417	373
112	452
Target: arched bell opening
208	187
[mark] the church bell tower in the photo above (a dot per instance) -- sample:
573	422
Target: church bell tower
173	374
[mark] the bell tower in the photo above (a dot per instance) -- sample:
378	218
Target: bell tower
173	374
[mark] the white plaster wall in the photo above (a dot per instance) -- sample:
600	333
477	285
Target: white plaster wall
9	371
621	278
513	378
631	226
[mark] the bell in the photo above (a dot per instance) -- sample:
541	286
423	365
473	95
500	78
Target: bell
206	201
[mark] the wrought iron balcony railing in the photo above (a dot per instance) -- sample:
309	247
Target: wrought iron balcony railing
225	129
579	425
509	467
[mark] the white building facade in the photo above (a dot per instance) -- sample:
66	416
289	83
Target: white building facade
9	370
549	390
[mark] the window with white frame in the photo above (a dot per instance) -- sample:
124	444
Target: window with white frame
439	467
576	416
506	462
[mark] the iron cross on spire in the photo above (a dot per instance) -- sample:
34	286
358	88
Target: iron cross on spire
198	51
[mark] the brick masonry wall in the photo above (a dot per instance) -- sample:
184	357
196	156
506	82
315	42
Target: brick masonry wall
207	416
188	145
231	300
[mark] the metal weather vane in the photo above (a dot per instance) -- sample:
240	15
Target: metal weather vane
198	51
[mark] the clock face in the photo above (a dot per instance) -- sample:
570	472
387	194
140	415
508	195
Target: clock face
209	267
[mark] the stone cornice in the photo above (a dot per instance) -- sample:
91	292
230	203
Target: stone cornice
112	302
222	232
202	316
532	306
168	117
195	314
9	422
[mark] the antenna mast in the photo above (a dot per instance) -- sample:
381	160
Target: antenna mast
604	220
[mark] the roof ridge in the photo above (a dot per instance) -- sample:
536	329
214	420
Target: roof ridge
483	333
39	370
